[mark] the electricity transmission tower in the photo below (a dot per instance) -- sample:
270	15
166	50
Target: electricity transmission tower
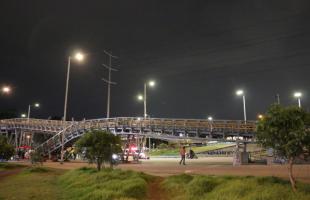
108	81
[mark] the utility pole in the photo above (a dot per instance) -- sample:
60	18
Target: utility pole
278	99
108	81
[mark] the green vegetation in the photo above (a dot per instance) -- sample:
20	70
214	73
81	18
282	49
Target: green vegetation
175	151
31	184
38	183
285	129
36	157
98	146
8	166
109	184
186	187
6	149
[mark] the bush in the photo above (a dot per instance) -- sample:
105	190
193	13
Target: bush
162	146
187	187
88	183
6	149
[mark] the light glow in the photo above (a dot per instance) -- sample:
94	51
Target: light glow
239	92
152	83
79	56
297	94
6	89
140	97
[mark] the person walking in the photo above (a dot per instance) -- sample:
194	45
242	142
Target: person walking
182	154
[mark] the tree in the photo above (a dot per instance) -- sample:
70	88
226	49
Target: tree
36	156
6	149
98	146
286	130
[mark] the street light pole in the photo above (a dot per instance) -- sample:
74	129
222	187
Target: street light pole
298	96
241	93
28	115
144	101
37	105
244	109
67	88
65	111
79	57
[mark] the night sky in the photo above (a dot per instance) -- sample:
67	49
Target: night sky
198	52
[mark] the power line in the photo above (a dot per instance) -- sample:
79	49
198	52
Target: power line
108	81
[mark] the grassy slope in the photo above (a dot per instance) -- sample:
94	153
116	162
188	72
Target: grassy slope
108	184
9	166
50	184
35	185
195	149
186	187
85	183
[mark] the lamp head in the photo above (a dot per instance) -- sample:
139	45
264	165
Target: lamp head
6	89
151	83
297	94
79	56
239	92
140	97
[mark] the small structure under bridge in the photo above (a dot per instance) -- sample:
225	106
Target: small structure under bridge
186	130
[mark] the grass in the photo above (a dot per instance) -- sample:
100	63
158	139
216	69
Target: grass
174	152
186	187
32	183
8	166
87	184
38	183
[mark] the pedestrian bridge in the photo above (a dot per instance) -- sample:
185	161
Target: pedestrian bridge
195	130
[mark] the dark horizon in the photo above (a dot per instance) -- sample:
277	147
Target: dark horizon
198	52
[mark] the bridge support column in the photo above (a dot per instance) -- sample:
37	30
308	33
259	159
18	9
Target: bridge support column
49	155
16	141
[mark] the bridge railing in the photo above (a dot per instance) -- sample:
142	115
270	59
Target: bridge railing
135	122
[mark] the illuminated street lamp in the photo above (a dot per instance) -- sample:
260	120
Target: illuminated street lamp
140	97
298	95
78	57
260	116
36	105
210	119
241	93
23	115
6	89
28	138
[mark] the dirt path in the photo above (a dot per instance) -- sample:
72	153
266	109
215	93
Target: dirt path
155	192
208	166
